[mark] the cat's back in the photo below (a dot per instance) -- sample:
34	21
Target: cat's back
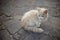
30	14
28	18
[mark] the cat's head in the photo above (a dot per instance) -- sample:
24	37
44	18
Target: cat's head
42	13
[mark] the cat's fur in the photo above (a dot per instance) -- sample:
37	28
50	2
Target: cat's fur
32	19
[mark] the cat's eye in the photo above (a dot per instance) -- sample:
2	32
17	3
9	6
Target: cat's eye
42	16
39	15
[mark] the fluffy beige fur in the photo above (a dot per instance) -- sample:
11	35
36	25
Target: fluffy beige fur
32	19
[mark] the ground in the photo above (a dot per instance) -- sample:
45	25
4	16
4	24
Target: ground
11	12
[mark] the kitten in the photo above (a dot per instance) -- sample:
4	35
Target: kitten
32	19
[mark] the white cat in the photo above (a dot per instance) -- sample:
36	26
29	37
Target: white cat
32	19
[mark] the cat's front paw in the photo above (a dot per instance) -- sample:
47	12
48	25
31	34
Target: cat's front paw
39	30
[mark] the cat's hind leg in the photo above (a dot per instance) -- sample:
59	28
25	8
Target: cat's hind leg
34	29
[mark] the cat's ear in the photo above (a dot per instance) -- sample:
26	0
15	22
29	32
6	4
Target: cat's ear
38	8
45	11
